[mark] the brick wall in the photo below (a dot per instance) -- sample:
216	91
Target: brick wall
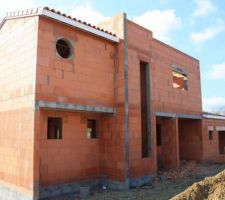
72	158
211	147
87	78
94	76
168	155
139	43
165	98
190	139
18	46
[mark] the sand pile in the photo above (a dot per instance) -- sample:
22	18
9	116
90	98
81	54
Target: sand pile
211	188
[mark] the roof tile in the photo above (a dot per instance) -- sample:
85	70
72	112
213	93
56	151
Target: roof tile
39	11
78	20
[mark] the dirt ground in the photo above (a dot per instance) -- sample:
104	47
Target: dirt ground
164	187
211	188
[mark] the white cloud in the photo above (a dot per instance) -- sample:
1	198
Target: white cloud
12	5
216	71
204	8
161	22
87	13
208	33
213	104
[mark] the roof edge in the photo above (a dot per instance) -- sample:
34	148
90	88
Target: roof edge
79	25
213	116
63	18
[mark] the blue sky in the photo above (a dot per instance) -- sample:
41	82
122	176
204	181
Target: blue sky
196	27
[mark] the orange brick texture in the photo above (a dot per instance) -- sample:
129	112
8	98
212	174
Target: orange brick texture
87	79
17	82
211	147
139	43
168	153
73	158
190	139
165	98
32	71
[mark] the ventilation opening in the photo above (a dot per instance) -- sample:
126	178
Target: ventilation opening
64	48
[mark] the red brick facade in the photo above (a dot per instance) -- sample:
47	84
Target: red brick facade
104	81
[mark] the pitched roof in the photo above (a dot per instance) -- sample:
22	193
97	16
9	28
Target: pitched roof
64	18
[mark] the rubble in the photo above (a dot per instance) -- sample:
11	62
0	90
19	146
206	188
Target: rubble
187	168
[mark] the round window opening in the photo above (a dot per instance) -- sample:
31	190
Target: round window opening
63	48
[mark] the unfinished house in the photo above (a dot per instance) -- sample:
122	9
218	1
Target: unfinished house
95	106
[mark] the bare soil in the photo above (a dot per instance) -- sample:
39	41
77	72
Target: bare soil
211	188
169	184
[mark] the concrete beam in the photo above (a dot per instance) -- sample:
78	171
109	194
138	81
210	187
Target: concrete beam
210	128
177	115
165	114
73	107
220	128
187	116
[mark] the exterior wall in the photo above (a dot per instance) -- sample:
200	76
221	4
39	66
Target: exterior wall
100	73
211	147
72	158
168	152
119	142
93	77
18	48
139	49
190	139
86	79
165	98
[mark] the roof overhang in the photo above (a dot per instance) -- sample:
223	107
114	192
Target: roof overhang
61	18
213	116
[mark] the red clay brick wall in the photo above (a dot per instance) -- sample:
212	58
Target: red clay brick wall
72	158
112	143
112	160
190	139
87	78
18	47
211	147
169	149
165	98
139	41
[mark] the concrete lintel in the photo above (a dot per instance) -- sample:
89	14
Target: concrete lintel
177	115
187	116
210	128
73	107
220	128
165	114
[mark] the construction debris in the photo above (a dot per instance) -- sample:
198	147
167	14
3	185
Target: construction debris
187	168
